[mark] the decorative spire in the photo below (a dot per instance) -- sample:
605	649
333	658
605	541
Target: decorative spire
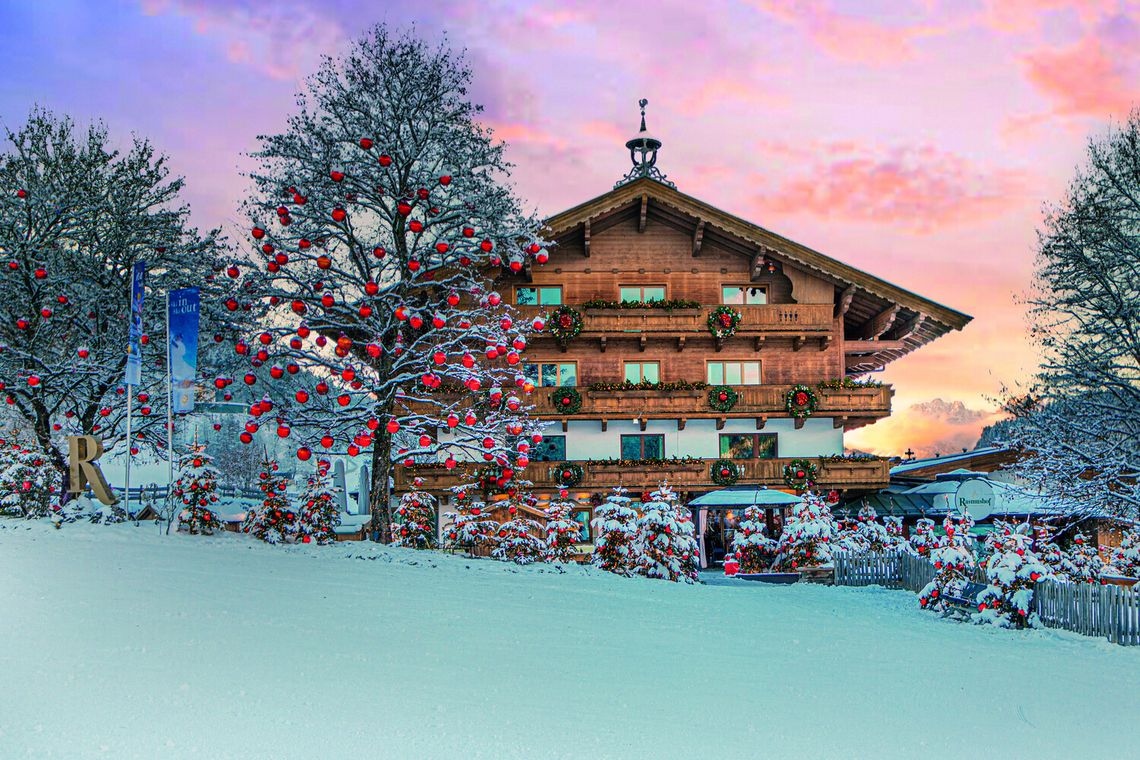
643	154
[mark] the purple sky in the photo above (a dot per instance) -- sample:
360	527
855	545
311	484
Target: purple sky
916	140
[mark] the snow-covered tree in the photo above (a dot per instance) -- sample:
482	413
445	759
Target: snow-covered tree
563	531
275	521
873	533
197	489
615	527
954	560
922	539
665	544
1084	560
379	218
319	511
896	541
808	535
472	526
753	548
848	537
1058	565
1012	570
521	539
76	214
415	520
1079	420
1125	559
28	482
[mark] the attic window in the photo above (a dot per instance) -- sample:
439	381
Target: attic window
743	295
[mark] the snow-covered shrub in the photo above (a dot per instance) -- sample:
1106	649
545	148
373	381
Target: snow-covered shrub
873	534
562	530
664	545
274	522
615	525
1126	557
28	483
319	511
753	549
922	539
1012	570
197	487
809	535
520	539
415	521
1084	560
954	561
472	526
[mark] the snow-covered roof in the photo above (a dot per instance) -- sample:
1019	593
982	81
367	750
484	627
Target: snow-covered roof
920	464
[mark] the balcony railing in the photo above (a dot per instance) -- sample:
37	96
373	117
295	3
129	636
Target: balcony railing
685	475
791	319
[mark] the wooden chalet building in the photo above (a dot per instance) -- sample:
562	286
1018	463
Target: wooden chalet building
795	317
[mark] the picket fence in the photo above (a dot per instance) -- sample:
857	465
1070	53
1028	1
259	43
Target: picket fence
1093	610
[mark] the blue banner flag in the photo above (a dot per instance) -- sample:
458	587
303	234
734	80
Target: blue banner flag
182	348
135	326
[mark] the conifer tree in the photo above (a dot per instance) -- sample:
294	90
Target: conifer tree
896	542
665	545
472	526
1084	561
922	540
319	511
1056	560
808	535
28	482
954	561
562	530
1012	570
275	522
753	549
1126	557
520	538
197	487
873	533
415	520
615	526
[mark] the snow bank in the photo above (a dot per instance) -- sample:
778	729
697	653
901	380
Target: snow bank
119	642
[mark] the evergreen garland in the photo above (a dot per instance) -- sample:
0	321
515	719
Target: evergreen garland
723	321
724	472
722	398
566	400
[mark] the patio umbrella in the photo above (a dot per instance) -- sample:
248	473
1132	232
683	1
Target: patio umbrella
745	496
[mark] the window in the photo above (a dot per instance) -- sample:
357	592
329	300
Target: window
642	293
643	447
733	373
743	295
748	445
638	372
539	296
552	374
551	449
583	517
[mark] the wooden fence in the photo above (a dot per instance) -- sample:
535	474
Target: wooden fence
1086	608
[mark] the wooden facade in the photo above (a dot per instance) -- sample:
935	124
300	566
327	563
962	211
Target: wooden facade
819	321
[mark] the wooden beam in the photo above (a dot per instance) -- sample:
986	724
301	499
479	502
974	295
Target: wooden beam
566	425
644	211
681	423
605	424
586	233
642	421
761	421
844	302
838	422
824	342
799	423
798	342
698	234
880	323
720	422
718	343
759	342
909	327
601	344
857	347
680	343
641	343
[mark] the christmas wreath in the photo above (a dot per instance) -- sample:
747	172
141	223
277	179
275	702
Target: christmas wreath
723	321
724	472
566	400
800	474
722	398
564	324
801	401
569	474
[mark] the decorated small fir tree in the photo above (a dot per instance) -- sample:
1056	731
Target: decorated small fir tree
848	537
954	562
1012	570
922	539
28	483
472	526
319	512
562	530
1056	560
1084	561
752	547
873	533
520	538
808	535
415	519
896	542
1126	557
197	487
664	545
614	525
274	522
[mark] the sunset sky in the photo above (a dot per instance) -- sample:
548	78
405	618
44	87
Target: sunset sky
916	140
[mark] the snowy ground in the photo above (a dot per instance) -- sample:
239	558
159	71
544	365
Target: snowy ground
115	642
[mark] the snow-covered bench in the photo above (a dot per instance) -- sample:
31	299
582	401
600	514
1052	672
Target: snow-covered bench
968	598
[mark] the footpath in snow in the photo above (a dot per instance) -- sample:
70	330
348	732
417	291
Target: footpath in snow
121	643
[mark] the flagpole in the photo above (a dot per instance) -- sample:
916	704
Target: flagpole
169	422
130	399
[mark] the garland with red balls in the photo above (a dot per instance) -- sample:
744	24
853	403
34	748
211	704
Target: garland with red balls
724	472
722	398
723	321
801	401
800	474
564	324
566	400
569	474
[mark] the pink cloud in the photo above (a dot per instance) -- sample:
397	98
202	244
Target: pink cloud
918	188
1094	77
846	37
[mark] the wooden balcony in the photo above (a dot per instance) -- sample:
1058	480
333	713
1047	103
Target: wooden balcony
799	322
847	407
692	475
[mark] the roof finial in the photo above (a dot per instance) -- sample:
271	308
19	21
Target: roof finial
643	154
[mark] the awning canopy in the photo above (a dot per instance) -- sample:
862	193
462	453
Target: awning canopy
745	496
